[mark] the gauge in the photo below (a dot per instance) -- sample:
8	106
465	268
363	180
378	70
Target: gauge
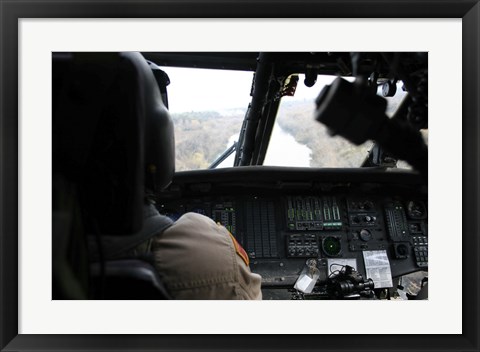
365	235
331	246
416	210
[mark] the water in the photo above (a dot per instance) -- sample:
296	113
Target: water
283	150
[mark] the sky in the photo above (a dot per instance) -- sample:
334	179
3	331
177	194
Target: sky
193	89
203	89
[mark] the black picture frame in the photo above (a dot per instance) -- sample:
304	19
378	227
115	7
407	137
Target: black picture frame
11	11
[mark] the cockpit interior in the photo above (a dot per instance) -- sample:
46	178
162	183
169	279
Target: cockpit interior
354	229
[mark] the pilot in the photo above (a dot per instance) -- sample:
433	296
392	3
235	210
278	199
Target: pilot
200	259
195	257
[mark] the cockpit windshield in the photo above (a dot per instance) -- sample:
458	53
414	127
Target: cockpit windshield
299	140
208	108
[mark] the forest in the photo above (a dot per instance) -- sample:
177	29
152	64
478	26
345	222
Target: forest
297	118
200	137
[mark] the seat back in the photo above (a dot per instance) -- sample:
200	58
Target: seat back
113	144
127	279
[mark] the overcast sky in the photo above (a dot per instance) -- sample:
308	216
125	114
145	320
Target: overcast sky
202	89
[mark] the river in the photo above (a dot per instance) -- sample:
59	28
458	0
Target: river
283	150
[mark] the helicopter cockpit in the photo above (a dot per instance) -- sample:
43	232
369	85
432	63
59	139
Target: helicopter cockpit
322	176
355	227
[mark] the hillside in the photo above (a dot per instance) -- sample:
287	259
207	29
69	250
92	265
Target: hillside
297	119
202	136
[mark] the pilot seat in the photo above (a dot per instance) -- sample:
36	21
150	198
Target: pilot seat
112	151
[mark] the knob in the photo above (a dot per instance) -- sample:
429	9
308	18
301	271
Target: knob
365	235
402	249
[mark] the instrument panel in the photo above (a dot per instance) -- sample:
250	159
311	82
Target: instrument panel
282	229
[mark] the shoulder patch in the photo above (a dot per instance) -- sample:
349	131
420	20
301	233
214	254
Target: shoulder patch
239	249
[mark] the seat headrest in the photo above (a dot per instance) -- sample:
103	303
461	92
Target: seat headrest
159	134
112	135
162	80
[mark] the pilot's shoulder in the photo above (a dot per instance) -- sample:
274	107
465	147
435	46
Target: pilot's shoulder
194	224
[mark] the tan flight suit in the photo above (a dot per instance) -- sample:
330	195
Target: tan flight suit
199	259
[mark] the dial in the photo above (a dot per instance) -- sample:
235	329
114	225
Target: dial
331	246
365	235
416	210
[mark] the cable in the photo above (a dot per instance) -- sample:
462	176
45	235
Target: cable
336	272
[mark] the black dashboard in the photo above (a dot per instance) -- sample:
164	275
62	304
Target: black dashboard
285	216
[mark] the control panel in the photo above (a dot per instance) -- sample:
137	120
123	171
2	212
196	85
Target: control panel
302	245
366	231
362	212
313	213
396	222
280	232
373	221
416	212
